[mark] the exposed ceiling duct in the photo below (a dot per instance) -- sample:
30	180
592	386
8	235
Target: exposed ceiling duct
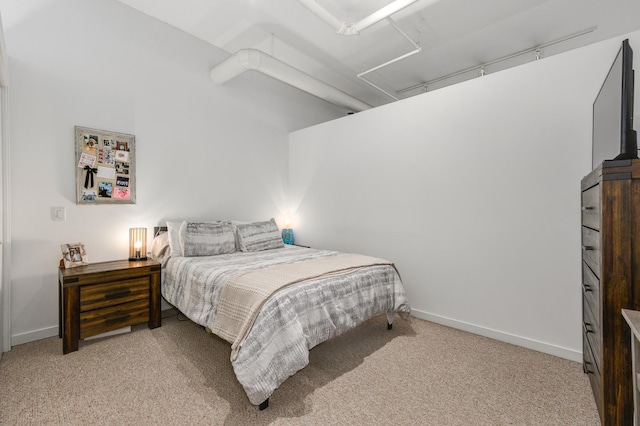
457	37
253	59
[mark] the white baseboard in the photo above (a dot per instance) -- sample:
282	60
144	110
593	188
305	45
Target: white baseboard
32	336
536	345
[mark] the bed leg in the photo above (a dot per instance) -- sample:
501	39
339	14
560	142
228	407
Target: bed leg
390	320
264	404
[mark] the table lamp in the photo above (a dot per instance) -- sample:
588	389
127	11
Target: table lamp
137	243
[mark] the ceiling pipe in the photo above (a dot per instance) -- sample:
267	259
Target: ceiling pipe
252	59
417	49
381	14
322	13
349	29
424	85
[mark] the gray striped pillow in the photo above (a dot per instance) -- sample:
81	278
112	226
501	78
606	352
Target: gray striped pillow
207	238
258	236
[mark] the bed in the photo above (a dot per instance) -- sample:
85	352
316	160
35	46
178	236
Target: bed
215	274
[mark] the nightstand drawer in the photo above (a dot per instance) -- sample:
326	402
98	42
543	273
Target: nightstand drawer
114	317
109	294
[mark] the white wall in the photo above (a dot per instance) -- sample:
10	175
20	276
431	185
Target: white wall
203	150
473	190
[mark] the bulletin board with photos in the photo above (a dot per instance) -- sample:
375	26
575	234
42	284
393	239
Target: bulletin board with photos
105	167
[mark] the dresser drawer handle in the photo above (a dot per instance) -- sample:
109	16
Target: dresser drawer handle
118	319
586	369
585	208
588	248
117	293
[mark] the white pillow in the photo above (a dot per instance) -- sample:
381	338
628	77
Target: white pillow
159	243
160	248
173	229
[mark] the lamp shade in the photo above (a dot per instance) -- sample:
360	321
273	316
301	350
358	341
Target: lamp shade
137	243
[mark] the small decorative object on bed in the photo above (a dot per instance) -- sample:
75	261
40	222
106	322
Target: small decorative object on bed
74	255
274	302
105	167
137	243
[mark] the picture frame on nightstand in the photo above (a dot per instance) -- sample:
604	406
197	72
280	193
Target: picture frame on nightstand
74	255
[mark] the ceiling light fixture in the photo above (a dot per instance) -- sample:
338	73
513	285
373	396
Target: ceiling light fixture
538	54
354	28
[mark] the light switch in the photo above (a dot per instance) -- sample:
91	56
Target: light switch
59	214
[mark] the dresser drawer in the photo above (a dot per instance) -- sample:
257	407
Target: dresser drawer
591	329
593	372
591	207
591	249
591	291
109	294
114	317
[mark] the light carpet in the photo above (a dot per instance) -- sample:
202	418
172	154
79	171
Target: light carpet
418	373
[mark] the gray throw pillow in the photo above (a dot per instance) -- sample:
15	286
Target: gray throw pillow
258	236
207	238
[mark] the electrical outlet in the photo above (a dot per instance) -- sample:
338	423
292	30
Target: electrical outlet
59	214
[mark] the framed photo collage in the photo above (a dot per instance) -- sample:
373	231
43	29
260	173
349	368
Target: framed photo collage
105	167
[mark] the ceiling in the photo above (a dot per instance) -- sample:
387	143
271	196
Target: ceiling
453	35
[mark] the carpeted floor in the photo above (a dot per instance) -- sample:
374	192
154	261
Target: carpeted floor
418	373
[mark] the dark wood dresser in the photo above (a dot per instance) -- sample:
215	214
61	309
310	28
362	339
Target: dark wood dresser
610	283
106	296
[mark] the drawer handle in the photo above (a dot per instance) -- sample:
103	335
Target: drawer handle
117	293
586	369
587	287
118	319
588	248
589	328
585	208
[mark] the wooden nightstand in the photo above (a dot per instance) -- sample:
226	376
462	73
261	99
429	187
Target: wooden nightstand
106	296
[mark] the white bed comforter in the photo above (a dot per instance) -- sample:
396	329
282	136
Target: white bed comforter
291	322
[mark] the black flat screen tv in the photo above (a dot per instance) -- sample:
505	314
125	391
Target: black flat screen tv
613	135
